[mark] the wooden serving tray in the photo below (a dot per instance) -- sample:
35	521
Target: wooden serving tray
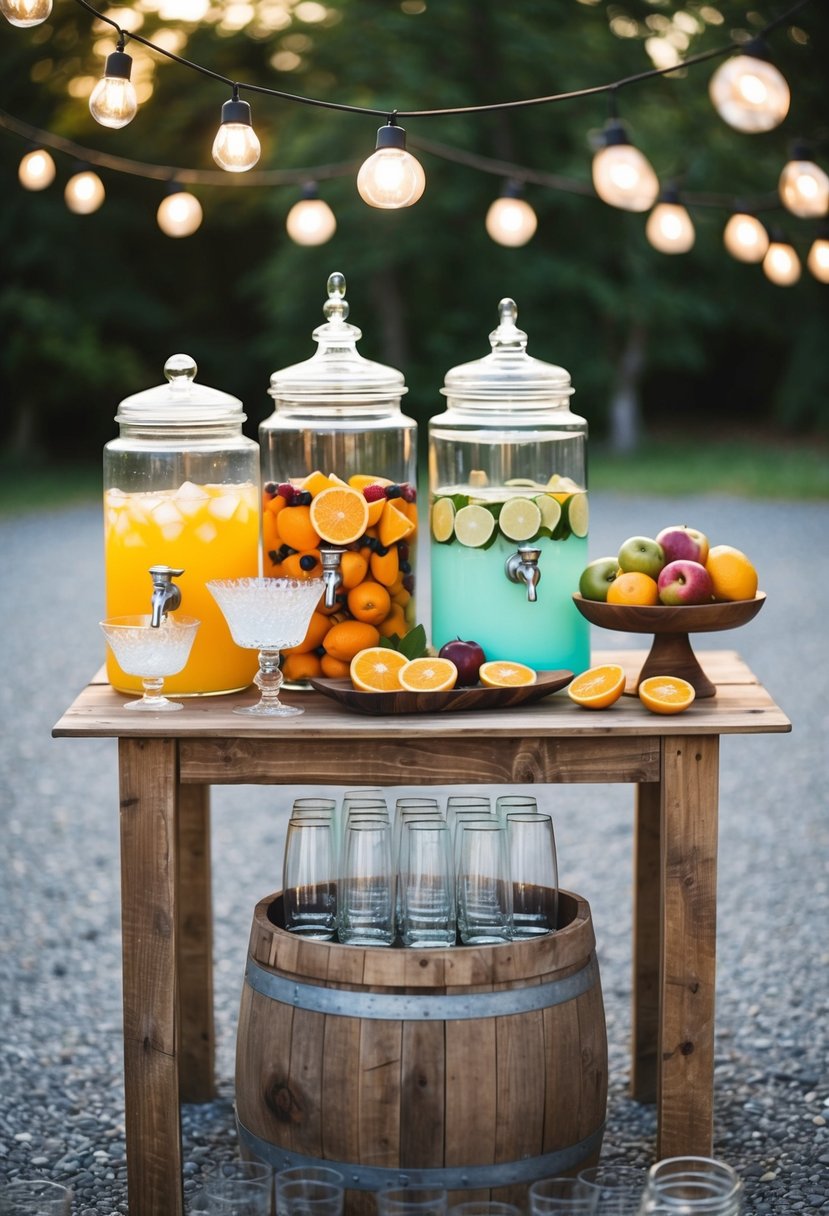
453	700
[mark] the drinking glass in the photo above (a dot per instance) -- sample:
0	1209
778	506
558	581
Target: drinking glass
619	1187
267	614
483	886
556	1196
457	803
427	912
691	1186
35	1197
531	849
506	804
239	1188
365	905
151	652
307	1195
484	1207
309	879
411	802
313	805
412	1201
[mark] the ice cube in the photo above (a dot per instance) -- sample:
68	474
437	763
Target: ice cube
172	531
189	489
134	541
123	523
190	498
206	533
168	513
224	505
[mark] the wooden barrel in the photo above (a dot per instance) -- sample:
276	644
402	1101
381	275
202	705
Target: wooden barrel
476	1069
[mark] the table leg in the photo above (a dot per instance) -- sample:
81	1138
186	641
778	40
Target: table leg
149	889
690	772
195	953
646	903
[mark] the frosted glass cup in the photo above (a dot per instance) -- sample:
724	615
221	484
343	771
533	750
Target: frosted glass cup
309	879
151	653
533	871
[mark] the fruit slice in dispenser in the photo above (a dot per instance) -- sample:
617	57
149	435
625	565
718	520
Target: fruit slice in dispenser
339	514
474	525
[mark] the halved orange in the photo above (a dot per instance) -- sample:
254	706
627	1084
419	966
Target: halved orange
428	675
504	673
377	669
666	694
339	514
598	687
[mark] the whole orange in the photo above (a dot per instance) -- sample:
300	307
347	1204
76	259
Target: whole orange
347	638
733	575
633	588
369	601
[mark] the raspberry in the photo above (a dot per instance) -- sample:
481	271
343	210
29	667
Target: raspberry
286	490
373	493
407	492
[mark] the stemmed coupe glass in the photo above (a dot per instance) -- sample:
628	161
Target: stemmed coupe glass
151	652
267	614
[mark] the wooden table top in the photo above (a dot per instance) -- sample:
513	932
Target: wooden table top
741	706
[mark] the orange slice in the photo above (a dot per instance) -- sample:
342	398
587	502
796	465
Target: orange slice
359	481
394	524
503	673
377	669
339	514
666	694
598	687
316	482
428	675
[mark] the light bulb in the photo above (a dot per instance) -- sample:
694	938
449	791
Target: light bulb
749	93
36	170
24	13
818	259
84	193
622	175
511	220
803	185
391	177
669	228
236	147
113	102
781	264
179	214
745	238
310	221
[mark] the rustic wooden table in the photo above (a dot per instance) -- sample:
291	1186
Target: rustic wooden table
167	764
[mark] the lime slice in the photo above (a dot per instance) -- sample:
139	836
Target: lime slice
550	509
578	513
520	519
443	519
474	526
558	484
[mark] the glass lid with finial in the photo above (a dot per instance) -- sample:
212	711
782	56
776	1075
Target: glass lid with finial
508	506
339	489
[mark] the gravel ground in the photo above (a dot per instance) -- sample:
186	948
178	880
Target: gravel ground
61	1094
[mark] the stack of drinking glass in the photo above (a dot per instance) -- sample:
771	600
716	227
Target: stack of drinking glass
425	875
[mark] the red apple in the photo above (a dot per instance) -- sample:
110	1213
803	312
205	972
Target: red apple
467	657
685	582
681	542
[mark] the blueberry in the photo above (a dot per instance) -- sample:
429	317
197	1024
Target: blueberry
405	567
303	498
274	557
270	489
393	492
307	561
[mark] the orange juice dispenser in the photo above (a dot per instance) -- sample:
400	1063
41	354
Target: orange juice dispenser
339	492
508	507
181	489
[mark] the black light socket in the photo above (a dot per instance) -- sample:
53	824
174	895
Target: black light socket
237	111
118	65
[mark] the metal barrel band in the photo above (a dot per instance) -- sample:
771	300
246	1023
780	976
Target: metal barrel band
426	1007
450	1178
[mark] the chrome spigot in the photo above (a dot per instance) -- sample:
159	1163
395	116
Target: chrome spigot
522	567
331	574
166	595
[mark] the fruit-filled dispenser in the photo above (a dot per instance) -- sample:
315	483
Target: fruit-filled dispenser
181	489
339	494
508	517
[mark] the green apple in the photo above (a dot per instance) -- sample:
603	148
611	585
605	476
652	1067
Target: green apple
597	577
643	554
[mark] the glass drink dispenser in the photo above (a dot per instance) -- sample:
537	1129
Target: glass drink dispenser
339	484
509	513
181	489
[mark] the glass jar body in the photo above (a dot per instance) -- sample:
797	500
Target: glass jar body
691	1186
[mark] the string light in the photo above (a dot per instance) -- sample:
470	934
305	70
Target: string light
803	186
36	170
748	92
84	192
669	228
391	177
113	102
781	264
310	221
236	147
25	13
818	258
622	175
180	213
745	238
510	219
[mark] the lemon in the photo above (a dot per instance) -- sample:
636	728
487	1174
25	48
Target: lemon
578	513
443	519
474	526
560	485
550	509
520	519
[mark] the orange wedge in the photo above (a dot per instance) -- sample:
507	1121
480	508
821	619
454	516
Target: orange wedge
339	514
503	673
377	669
428	675
598	687
394	525
666	694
